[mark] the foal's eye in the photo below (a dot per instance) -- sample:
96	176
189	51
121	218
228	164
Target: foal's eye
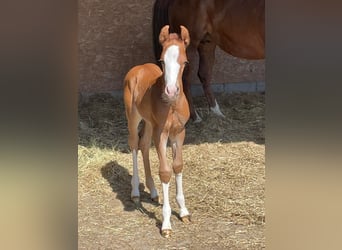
161	61
186	63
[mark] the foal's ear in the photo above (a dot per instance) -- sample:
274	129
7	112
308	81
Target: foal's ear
164	34
185	35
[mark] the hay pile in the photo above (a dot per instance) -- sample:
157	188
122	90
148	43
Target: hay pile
224	178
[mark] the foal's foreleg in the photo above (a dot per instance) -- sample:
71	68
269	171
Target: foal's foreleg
177	168
144	146
206	51
160	141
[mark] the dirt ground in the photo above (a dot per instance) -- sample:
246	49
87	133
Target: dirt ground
223	178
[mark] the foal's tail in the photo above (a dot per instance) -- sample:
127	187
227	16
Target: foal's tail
160	19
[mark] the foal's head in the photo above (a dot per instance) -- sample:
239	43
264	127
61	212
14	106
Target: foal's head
173	59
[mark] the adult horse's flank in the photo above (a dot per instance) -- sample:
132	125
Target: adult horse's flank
236	26
157	98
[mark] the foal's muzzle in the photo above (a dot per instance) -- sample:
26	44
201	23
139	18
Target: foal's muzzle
171	91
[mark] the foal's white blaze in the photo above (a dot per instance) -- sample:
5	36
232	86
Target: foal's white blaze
180	196
166	207
135	177
171	69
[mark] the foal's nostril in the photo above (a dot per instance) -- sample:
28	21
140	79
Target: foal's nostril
167	91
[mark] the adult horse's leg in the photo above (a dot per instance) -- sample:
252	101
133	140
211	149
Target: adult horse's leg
160	141
144	145
191	50
206	51
177	168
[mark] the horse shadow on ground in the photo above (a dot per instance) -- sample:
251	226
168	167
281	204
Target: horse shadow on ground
120	181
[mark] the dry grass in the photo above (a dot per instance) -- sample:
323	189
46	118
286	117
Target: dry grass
224	180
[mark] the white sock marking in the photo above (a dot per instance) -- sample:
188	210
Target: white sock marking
166	207
217	110
198	118
180	196
135	178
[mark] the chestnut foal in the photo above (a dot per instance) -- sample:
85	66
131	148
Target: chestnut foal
158	99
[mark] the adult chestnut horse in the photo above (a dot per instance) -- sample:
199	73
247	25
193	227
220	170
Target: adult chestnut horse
158	99
236	26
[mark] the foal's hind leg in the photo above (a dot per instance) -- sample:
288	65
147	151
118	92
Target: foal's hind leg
177	165
134	119
206	50
144	145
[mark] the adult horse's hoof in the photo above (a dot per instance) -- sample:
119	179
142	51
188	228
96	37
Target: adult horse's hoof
186	219
166	233
197	118
216	110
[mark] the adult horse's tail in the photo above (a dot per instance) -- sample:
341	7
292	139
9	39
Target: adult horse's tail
159	20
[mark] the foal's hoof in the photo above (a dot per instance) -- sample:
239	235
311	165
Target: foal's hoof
166	233
155	199
136	200
186	219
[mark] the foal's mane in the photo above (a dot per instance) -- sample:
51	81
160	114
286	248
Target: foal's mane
159	20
